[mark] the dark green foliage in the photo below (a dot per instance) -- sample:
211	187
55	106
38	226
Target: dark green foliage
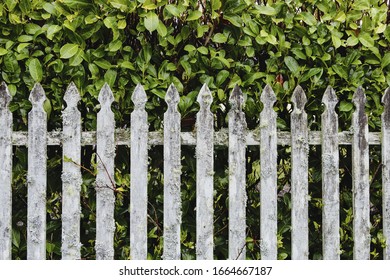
222	43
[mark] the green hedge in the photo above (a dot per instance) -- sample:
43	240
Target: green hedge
222	43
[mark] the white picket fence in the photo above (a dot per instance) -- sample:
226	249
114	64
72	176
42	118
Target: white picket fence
236	137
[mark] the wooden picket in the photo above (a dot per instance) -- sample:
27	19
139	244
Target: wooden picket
386	172
204	176
71	176
172	172
299	177
236	137
105	184
36	176
330	178
268	179
237	181
5	174
360	178
139	183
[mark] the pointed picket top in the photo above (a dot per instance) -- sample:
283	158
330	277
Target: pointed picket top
330	99
268	96
386	97
236	99
5	96
139	97
172	97
37	95
72	95
299	99
106	97
386	102
204	97
359	97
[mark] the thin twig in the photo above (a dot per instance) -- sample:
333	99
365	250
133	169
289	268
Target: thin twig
108	174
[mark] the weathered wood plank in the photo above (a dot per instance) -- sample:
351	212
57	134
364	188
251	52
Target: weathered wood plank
330	178
172	172
268	179
360	179
5	174
299	177
221	138
36	176
386	172
139	176
105	184
71	176
237	177
204	176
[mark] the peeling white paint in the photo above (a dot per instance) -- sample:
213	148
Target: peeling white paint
299	178
360	179
139	182
172	167
5	174
204	177
36	174
237	177
71	176
330	178
105	199
268	179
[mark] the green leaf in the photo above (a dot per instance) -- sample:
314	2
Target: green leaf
3	51
35	69
250	51
366	40
122	24
345	106
385	60
234	19
120	4
16	238
31	28
341	71
127	65
161	29
25	38
110	77
272	39
312	72
308	18
336	41
361	5
110	22
352	41
189	48
267	10
115	45
47	107
221	77
50	247
151	21
25	6
77	58
102	63
52	30
173	10
21	47
68	50
219	38
203	50
194	15
292	64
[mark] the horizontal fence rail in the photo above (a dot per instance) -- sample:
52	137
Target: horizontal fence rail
236	137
